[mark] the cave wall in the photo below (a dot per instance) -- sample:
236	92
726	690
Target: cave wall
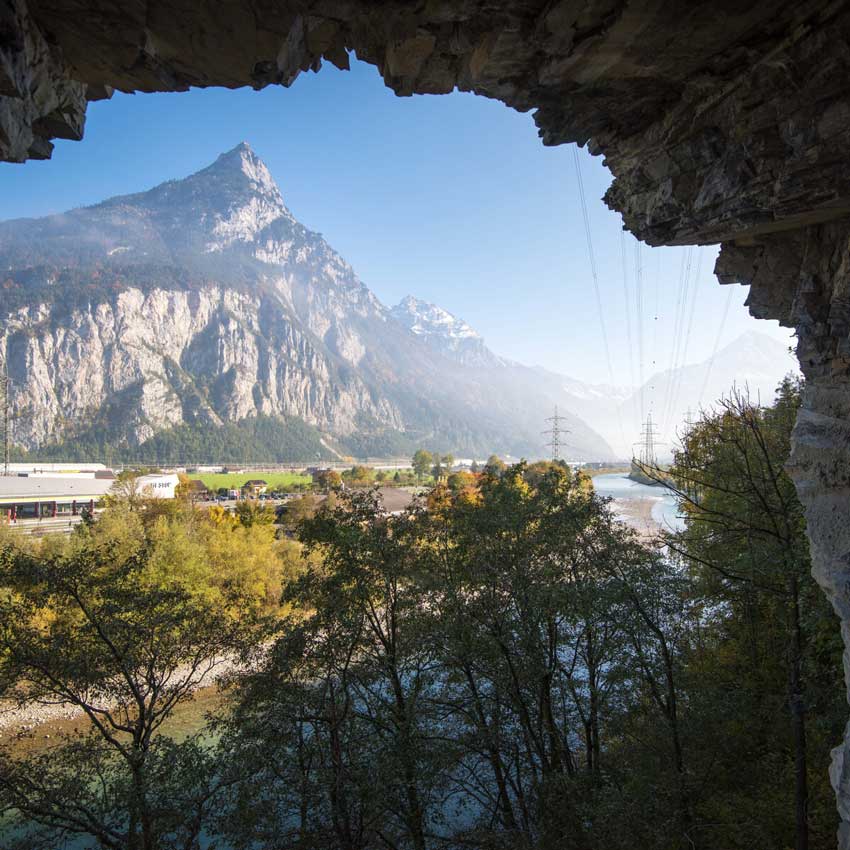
802	278
722	123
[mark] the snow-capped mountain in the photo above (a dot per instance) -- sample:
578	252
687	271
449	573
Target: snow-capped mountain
426	319
444	332
204	302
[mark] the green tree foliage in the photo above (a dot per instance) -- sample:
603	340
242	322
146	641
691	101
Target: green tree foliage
485	649
422	462
504	665
359	476
270	439
529	674
295	511
772	651
461	481
251	512
118	623
327	479
122	621
495	466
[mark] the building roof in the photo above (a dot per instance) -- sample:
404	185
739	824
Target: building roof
14	489
42	467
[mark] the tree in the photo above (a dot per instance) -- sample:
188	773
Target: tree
359	476
250	512
745	541
327	479
494	467
512	574
295	511
183	490
121	622
422	462
462	482
349	762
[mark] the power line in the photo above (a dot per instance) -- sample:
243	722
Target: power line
720	330
676	360
674	336
628	303
687	337
639	312
655	331
592	257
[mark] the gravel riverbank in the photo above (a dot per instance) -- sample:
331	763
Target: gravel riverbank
16	719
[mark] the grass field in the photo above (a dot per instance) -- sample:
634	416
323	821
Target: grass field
235	480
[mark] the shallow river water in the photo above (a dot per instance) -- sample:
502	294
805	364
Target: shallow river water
659	502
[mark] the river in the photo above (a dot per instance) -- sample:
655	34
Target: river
647	509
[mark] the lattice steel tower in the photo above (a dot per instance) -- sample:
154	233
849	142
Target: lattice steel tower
647	444
554	433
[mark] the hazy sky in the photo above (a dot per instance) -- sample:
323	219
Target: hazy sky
452	199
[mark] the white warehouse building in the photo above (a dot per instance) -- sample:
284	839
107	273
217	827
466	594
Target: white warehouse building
157	486
33	497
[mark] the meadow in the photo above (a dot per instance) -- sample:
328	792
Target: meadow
235	480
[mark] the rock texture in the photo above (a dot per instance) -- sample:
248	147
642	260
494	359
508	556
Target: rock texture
204	301
445	333
721	122
803	279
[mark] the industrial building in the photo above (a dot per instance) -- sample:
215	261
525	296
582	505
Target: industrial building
35	498
59	470
40	497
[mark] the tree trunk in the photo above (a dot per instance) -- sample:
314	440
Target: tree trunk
797	707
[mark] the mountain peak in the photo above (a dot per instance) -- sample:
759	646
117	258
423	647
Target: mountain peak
242	160
426	319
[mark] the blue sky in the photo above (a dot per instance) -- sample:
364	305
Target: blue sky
452	199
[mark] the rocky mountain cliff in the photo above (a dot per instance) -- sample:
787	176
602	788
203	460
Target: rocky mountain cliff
444	332
203	302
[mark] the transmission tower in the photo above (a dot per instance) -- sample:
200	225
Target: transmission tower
647	444
554	433
7	420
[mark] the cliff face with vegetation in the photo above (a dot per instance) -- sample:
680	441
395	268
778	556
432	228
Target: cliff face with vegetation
204	301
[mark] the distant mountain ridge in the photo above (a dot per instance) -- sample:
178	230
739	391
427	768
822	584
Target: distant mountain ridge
753	362
203	302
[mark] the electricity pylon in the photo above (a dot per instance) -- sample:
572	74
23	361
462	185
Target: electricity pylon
554	433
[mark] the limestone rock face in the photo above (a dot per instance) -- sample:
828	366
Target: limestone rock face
39	100
205	301
161	358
